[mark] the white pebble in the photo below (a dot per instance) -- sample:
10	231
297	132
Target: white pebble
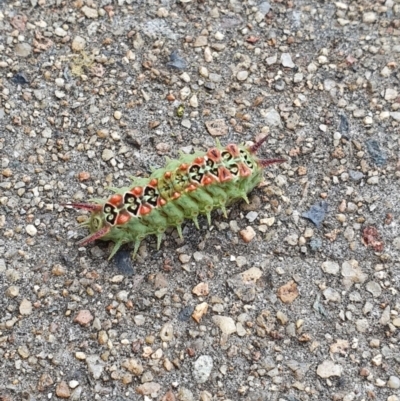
286	60
242	75
31	230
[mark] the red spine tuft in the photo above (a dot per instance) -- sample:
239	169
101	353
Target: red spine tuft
257	145
266	163
97	235
85	206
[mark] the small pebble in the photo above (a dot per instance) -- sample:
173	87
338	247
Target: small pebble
202	368
200	41
84	317
201	289
330	267
25	307
328	369
133	365
31	230
369	17
12	291
248	234
393	382
62	390
374	288
148	388
225	323
199	311
242	75
286	60
78	44
23	49
167	332
373	180
73	384
89	12
107	155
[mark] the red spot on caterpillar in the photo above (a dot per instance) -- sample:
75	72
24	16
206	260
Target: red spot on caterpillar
175	195
233	150
244	171
123	218
137	191
214	154
207	180
183	167
161	201
167	175
224	174
85	206
191	187
153	182
115	199
144	209
266	163
198	160
97	235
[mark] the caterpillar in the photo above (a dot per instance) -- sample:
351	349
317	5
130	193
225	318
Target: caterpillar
194	185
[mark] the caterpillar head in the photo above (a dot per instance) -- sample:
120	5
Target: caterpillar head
98	221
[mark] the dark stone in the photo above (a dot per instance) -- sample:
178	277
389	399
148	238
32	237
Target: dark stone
209	86
185	313
67	77
176	61
344	125
123	261
19	79
318	307
356	175
316	213
279	85
377	154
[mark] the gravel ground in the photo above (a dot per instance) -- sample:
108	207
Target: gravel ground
294	296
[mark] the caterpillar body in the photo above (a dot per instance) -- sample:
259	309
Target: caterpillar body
194	185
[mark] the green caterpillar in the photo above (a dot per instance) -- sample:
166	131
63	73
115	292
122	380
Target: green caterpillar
185	188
